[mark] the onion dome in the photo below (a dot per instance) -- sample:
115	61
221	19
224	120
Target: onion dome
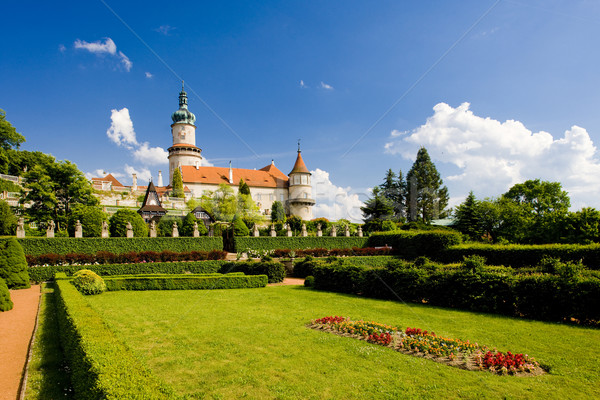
183	115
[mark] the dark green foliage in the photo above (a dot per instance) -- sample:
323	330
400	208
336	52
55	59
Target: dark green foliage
90	217
426	197
88	282
118	224
185	282
102	367
411	244
41	245
41	274
468	217
187	226
474	264
5	301
309	281
13	265
274	270
295	242
177	184
277	212
243	187
304	268
165	226
8	221
295	223
378	207
239	227
8	186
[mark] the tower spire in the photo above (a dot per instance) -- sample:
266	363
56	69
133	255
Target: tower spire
298	145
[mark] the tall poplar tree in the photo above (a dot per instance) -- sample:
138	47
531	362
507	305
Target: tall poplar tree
426	197
177	185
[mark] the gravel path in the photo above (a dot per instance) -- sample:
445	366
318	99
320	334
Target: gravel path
16	330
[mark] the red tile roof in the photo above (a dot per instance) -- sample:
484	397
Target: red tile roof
299	166
108	178
268	176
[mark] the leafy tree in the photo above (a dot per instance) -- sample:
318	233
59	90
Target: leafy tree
22	161
295	223
165	226
9	138
8	221
13	265
40	195
90	217
539	197
277	212
224	203
177	185
378	207
426	197
581	226
247	208
117	224
468	217
9	186
239	227
187	227
243	188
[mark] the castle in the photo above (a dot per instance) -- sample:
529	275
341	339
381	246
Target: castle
267	184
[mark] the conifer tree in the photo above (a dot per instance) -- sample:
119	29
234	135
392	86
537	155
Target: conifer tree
277	212
426	197
177	185
468	217
243	187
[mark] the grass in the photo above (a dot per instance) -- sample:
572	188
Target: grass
253	343
48	375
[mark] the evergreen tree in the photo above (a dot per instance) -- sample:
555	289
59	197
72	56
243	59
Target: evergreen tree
117	224
8	221
243	188
9	139
239	227
277	212
177	184
394	189
426	197
13	265
378	207
468	217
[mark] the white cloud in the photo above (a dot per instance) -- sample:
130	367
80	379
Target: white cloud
150	155
121	128
492	156
335	202
326	86
101	173
106	47
149	75
302	84
62	48
165	29
143	174
206	163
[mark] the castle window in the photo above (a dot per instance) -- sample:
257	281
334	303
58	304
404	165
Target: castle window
304	179
296	180
271	197
258	197
281	197
306	195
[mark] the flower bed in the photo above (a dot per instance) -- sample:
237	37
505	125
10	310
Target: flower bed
414	341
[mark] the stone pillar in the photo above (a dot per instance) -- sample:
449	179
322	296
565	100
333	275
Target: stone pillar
21	228
319	231
133	183
129	230
255	232
333	231
175	230
152	228
347	231
273	233
211	231
50	230
160	181
360	234
196	231
304	232
104	233
78	229
289	230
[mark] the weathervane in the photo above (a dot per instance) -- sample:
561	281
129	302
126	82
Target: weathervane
298	145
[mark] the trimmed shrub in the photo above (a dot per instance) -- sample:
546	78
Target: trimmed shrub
41	245
90	217
88	282
187	227
13	265
274	270
411	244
118	224
5	301
304	268
298	242
8	221
309	281
239	227
186	282
165	226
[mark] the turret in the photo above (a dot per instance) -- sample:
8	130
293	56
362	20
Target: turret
300	201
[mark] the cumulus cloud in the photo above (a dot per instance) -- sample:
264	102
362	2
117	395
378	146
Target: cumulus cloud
326	86
149	75
491	156
121	128
101	48
150	155
62	48
335	202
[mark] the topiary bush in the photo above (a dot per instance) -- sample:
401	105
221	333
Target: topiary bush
309	281
13	265
239	227
90	217
118	224
165	226
8	221
88	282
5	301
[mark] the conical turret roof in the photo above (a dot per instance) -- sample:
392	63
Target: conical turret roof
299	166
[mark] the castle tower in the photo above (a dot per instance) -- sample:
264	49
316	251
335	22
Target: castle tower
184	150
300	201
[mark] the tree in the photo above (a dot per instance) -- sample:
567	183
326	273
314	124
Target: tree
295	223
277	212
581	226
187	226
40	195
243	187
394	189
177	185
13	265
468	217
427	198
90	217
378	207
239	227
118	224
9	138
165	226
224	203
540	197
8	221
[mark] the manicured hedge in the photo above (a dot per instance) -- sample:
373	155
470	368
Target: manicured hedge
42	274
102	367
117	245
5	301
518	256
536	296
298	242
411	244
185	282
304	267
274	270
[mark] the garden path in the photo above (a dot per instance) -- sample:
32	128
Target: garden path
16	330
289	281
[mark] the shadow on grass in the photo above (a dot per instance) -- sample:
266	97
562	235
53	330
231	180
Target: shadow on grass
48	375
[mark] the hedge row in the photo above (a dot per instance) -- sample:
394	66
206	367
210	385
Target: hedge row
536	296
411	244
298	242
320	252
104	257
518	256
42	245
102	367
305	266
185	282
274	270
42	274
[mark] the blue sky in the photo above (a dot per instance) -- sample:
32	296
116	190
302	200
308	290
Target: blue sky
363	84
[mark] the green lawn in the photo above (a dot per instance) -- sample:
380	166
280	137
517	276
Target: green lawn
253	343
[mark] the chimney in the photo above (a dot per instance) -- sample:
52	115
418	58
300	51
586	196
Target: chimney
273	162
134	183
230	173
160	182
